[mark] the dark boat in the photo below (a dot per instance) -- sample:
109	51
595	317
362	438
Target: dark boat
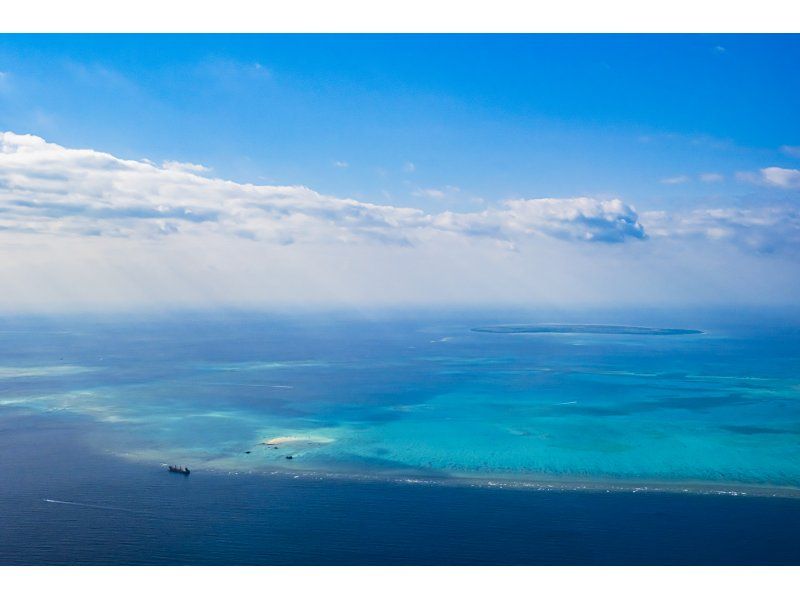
177	469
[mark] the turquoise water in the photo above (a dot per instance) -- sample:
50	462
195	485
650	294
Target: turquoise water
422	397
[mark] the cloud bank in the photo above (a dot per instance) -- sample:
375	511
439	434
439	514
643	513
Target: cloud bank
48	189
83	229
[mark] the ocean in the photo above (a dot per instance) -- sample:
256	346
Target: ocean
423	438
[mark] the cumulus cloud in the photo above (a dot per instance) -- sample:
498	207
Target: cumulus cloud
48	189
578	219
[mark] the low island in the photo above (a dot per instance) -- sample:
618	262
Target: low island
583	329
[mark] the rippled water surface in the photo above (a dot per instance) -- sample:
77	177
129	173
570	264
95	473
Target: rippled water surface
371	408
420	396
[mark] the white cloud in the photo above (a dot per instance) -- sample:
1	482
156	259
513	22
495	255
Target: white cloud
432	193
577	219
760	229
49	189
773	176
84	229
436	193
676	180
340	164
409	167
183	166
711	177
785	178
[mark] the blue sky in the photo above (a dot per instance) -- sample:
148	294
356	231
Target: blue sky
491	116
696	137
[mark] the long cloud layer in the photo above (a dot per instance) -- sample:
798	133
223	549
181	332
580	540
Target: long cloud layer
84	228
46	188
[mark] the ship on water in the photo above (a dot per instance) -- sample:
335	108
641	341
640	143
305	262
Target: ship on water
179	469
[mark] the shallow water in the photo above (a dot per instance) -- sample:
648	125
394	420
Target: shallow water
61	503
425	397
416	420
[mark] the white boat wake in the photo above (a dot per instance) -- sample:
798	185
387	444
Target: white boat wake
101	507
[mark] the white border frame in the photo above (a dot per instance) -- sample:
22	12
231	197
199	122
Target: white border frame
398	16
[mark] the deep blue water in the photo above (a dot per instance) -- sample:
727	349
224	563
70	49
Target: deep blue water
129	513
397	428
